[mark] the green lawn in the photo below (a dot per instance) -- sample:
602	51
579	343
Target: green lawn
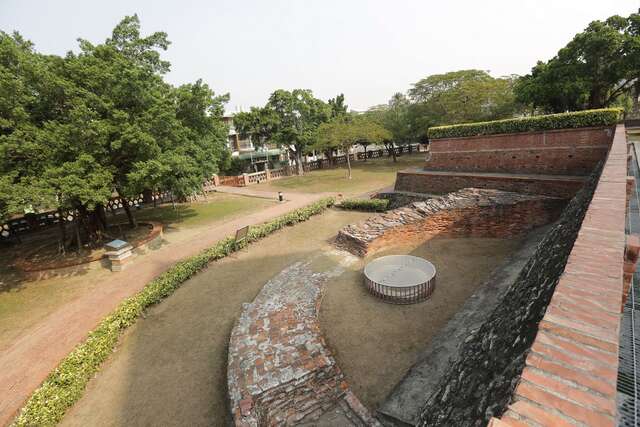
217	206
371	175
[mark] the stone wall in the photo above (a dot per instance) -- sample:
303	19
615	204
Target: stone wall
481	379
466	213
569	375
557	152
436	182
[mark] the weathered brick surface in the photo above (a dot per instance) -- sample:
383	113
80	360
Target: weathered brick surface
571	370
280	371
469	212
556	326
559	152
441	182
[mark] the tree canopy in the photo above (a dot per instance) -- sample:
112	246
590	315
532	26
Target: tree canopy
73	130
346	131
289	119
592	71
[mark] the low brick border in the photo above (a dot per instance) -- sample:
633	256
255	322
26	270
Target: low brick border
280	370
27	267
468	212
570	373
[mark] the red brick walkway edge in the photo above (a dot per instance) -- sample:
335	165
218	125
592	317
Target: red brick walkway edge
570	374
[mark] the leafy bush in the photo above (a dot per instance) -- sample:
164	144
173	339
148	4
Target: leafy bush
579	119
368	205
65	385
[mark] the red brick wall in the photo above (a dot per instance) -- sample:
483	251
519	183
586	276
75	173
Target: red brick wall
559	152
491	221
441	183
571	370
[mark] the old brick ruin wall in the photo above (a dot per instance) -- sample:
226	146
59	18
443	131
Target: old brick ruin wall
280	370
556	152
465	213
550	162
481	379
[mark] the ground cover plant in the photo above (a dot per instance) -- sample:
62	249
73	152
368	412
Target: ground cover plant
65	384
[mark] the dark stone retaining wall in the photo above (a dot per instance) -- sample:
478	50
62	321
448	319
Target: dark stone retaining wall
481	379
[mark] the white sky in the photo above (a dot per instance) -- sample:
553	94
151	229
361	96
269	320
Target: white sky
367	49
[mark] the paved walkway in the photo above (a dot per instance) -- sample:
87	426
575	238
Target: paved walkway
28	361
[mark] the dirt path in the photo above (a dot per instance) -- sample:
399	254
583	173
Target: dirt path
27	362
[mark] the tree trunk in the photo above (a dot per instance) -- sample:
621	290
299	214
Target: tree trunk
102	217
635	111
63	232
392	151
365	153
130	216
78	240
299	162
348	163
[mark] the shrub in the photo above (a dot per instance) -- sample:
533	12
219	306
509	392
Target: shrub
368	205
65	385
579	119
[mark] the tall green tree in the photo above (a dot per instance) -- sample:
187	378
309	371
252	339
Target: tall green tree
73	130
593	70
345	132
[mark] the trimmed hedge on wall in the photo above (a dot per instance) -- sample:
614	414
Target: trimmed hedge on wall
578	119
367	205
65	385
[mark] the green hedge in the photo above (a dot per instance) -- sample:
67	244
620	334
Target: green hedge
368	205
579	119
65	385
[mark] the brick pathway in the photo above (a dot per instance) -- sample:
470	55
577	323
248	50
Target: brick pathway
27	362
280	371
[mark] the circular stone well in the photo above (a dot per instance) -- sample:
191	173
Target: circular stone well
400	279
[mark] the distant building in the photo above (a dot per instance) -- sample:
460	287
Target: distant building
253	158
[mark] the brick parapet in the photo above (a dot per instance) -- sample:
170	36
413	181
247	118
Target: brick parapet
570	373
557	152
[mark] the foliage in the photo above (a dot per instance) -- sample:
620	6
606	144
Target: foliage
599	65
289	119
66	383
338	107
367	205
587	118
454	97
346	132
74	129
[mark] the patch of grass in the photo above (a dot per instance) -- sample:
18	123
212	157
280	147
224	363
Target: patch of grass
371	175
65	385
218	206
